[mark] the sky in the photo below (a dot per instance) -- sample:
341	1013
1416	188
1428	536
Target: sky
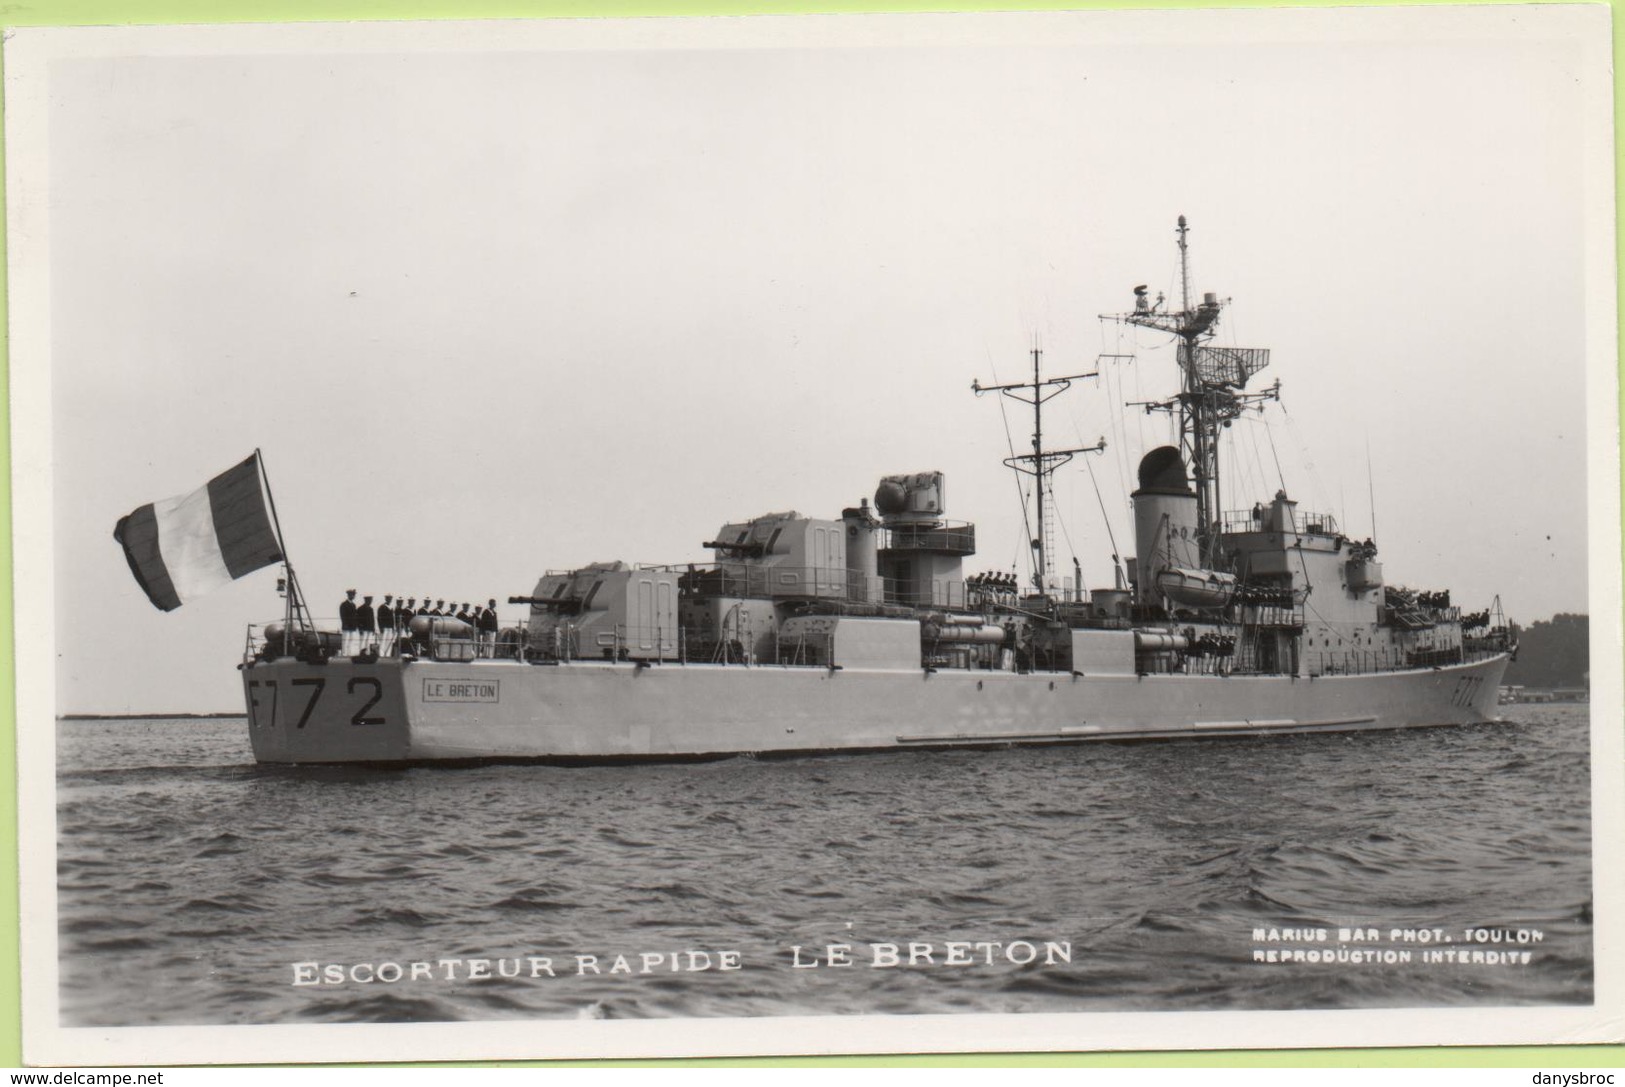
503	299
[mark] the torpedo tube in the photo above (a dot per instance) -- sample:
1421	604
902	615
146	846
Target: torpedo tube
439	626
961	629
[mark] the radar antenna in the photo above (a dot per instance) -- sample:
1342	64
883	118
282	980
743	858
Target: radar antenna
1211	392
1041	463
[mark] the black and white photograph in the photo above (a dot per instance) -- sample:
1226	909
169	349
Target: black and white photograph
999	532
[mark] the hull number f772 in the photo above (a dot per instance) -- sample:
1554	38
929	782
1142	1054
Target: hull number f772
308	690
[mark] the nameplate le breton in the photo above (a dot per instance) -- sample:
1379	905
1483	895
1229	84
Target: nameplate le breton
461	690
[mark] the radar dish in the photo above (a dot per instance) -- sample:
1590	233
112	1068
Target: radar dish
1229	366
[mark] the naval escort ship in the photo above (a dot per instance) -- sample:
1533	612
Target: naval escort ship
862	632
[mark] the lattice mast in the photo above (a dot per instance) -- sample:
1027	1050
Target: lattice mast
1041	463
1210	395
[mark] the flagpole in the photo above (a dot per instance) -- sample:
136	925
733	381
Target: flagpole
295	599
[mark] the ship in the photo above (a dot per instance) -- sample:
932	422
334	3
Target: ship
862	632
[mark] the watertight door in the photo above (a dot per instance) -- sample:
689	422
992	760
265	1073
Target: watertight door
643	628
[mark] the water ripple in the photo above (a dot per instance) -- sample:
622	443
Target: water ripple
192	883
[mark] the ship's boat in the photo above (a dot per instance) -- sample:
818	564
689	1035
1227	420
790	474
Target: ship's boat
1196	588
862	632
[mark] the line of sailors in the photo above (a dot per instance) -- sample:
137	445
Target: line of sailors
1410	598
1366	550
992	586
363	627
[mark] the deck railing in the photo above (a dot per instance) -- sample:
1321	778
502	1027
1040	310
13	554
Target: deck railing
1356	662
945	537
1261	519
687	645
833	584
324	639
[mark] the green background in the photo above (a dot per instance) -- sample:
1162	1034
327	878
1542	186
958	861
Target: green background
105	12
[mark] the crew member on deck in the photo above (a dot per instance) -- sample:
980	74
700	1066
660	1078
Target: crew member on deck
486	623
365	625
347	628
386	625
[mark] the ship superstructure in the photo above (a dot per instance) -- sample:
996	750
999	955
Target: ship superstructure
863	632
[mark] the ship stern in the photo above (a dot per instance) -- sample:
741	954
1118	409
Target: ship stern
333	712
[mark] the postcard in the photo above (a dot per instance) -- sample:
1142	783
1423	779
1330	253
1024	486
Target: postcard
816	534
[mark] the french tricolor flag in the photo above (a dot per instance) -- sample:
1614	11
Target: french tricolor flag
183	547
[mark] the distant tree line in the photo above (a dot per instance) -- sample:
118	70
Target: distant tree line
1552	654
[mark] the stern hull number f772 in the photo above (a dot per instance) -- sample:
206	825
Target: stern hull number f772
361	694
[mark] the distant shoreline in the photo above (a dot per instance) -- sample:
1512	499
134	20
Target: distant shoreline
144	716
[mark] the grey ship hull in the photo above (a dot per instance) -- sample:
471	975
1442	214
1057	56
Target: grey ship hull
391	712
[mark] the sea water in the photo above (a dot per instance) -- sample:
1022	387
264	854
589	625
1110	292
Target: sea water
1383	869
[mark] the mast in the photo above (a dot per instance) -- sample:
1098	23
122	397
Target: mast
1040	463
294	610
1212	380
